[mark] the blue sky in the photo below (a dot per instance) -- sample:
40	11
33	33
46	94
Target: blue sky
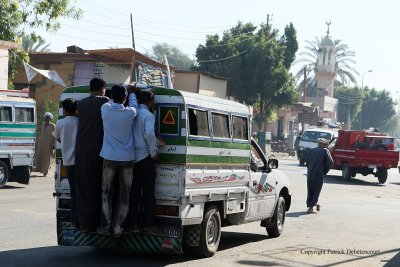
368	27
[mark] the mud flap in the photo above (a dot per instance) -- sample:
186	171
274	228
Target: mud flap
20	174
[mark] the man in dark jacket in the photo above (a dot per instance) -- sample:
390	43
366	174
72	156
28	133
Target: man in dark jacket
88	163
319	162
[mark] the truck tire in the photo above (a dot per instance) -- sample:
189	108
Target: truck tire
346	173
382	174
275	228
353	172
210	232
301	161
4	173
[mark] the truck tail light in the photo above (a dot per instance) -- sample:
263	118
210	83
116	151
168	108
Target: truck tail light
63	172
167	210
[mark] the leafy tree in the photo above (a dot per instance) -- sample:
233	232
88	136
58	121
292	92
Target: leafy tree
393	126
17	15
349	98
175	56
377	110
256	63
30	44
346	73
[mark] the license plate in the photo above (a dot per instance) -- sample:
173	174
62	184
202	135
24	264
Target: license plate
372	166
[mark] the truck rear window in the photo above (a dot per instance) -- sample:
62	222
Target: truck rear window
198	122
240	128
220	125
5	114
24	115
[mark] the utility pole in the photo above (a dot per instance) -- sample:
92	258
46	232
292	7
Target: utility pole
305	84
348	119
268	26
133	36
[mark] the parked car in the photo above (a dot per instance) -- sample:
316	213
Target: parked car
309	140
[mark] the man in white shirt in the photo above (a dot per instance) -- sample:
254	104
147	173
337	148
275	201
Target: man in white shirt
65	133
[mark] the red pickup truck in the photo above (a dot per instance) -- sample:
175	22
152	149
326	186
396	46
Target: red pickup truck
364	152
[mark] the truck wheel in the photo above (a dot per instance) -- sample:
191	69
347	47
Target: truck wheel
346	171
4	173
301	161
210	232
278	220
382	175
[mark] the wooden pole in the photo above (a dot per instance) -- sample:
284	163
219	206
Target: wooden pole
133	36
305	85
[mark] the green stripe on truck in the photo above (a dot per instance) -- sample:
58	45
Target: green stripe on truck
7	125
216	144
217	159
25	135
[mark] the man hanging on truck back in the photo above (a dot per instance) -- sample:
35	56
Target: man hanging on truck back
119	155
88	163
146	152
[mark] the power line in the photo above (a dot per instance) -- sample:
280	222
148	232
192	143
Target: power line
150	21
104	8
103	16
82	29
221	59
152	41
94	40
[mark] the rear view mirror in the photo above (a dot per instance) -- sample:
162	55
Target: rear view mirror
272	164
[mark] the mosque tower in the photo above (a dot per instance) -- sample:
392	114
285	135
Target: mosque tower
326	67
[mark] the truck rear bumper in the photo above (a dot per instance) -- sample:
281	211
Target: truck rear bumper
169	242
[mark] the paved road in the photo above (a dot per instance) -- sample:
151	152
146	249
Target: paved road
358	226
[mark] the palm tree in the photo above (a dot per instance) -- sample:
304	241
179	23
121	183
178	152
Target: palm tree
30	44
346	73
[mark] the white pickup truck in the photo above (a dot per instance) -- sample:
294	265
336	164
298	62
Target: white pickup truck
17	136
209	175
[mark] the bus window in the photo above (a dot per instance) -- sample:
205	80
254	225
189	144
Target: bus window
5	114
240	128
220	125
198	122
24	115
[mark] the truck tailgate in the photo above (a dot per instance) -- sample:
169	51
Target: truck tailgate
376	158
169	182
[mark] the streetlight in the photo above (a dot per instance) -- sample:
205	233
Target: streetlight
362	78
362	88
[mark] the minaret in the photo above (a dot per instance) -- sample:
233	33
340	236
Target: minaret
326	68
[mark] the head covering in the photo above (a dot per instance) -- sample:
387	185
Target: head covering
323	142
48	114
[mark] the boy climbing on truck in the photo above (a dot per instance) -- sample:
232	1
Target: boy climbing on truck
65	133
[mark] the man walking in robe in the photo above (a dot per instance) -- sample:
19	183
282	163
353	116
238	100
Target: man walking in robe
88	163
319	162
45	145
